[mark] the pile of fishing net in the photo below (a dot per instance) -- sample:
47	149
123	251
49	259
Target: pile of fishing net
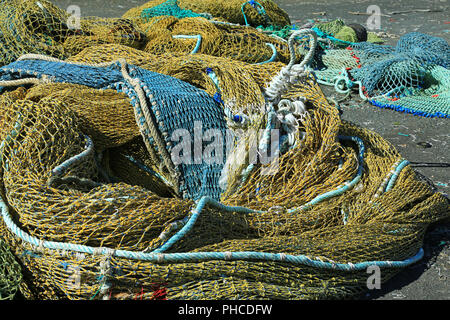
199	35
10	273
250	13
411	77
42	28
126	174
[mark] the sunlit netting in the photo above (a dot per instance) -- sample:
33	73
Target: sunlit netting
94	31
28	26
10	272
411	77
430	99
253	13
92	210
199	35
31	26
237	84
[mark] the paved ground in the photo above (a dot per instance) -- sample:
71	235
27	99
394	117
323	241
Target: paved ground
430	278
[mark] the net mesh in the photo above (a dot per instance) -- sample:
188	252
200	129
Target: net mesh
262	13
10	273
362	224
410	77
198	35
197	70
40	27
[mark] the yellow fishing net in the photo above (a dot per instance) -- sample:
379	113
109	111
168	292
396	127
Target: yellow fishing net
340	200
362	224
193	69
264	12
40	27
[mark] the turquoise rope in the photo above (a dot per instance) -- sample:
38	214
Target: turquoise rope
59	170
274	55
395	175
195	214
325	35
198	37
346	186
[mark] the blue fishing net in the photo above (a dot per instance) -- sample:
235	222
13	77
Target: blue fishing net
410	77
387	68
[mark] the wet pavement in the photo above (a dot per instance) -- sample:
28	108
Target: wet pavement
423	141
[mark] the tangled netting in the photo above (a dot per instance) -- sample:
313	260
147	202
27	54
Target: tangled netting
250	13
411	77
276	197
40	27
10	273
199	35
212	74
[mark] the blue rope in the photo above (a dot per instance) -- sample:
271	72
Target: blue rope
193	219
395	175
400	108
158	256
63	167
198	44
346	186
325	35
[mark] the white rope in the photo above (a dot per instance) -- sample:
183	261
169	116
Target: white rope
290	114
291	73
289	111
20	82
42	57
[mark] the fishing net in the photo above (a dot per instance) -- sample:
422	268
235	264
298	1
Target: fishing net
337	34
10	273
411	77
199	35
253	13
40	27
238	85
92	209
